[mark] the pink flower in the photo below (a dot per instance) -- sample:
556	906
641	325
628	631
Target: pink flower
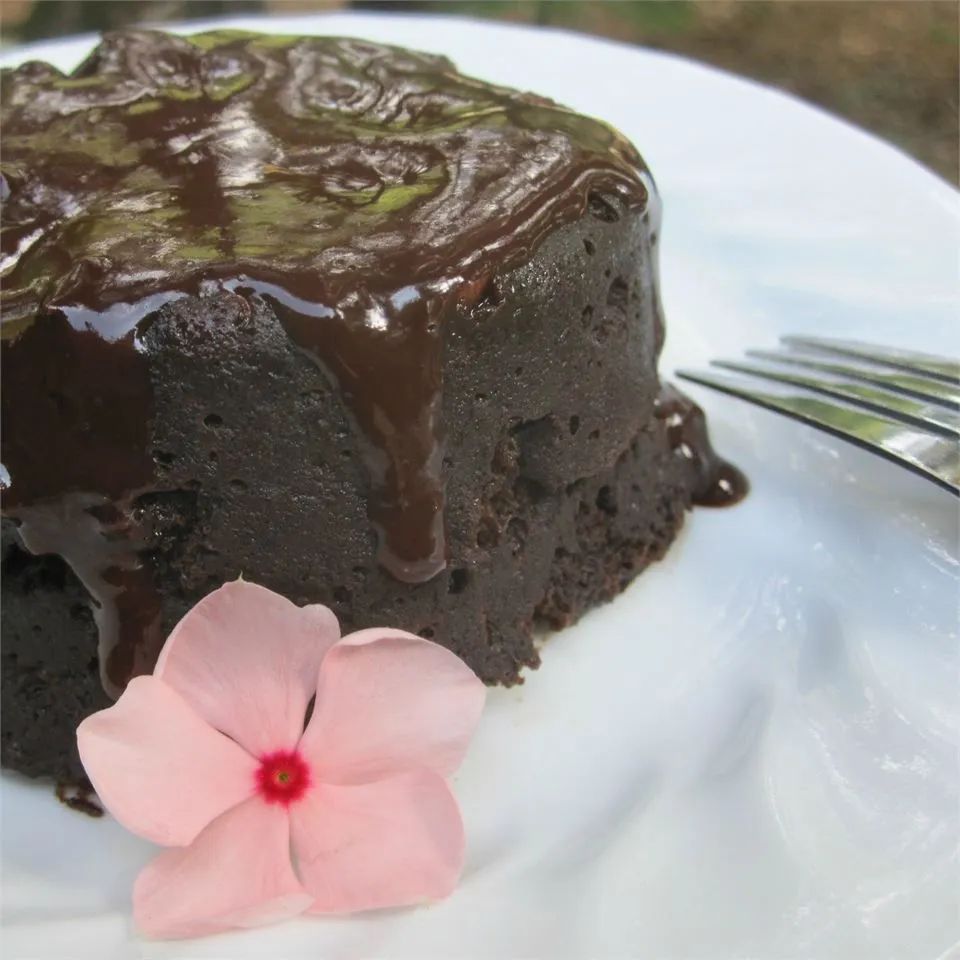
266	819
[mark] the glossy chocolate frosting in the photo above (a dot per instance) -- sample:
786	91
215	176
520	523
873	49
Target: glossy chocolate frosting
364	191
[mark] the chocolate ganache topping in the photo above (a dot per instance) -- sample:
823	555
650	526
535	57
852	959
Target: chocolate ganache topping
360	189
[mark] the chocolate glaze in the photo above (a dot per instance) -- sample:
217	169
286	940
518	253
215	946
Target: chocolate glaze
718	483
364	191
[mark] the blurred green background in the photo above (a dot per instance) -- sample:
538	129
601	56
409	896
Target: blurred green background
888	65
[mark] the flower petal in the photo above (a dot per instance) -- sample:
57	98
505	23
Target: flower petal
237	873
384	844
388	701
160	769
246	659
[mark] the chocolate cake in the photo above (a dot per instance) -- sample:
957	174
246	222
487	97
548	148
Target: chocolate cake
331	316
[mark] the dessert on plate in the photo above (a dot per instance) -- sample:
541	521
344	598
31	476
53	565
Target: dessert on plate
330	316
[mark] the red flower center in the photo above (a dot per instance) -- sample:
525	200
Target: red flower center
283	777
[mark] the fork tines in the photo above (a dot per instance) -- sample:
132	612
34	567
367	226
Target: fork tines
900	404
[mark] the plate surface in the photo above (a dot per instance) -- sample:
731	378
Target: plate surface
753	751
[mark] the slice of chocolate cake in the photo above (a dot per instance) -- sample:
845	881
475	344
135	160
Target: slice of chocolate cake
328	315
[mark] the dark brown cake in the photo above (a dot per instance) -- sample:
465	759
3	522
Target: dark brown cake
329	315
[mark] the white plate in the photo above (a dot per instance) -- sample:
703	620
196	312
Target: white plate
752	752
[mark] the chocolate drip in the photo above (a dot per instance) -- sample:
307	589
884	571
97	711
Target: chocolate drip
79	798
75	428
371	360
359	189
718	483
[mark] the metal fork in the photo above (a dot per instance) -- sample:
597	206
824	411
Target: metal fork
902	405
